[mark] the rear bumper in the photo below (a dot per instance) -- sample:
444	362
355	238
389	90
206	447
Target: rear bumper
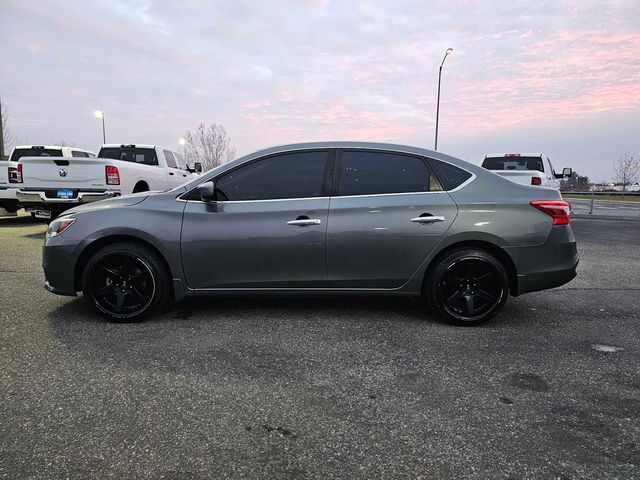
39	197
548	265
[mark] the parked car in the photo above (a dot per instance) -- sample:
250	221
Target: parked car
11	169
52	185
525	168
319	218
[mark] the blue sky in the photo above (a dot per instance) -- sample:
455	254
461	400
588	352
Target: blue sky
558	77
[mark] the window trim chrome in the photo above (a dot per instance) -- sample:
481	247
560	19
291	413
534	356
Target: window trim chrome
334	148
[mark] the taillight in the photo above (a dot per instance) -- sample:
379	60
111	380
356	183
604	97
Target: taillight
558	210
15	174
112	174
536	181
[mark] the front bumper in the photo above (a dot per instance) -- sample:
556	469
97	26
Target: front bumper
545	266
39	197
58	264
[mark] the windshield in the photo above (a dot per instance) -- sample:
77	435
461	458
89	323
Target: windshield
18	153
513	163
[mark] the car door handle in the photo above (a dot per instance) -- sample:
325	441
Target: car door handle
304	221
170	173
428	219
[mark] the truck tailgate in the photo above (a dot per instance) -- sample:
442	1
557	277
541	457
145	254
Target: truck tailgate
519	176
63	172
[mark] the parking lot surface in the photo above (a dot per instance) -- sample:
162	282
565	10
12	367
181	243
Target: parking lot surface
324	388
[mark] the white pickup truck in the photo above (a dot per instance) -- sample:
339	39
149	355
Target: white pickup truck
525	168
52	185
11	171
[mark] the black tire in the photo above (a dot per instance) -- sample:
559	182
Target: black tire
467	286
125	282
11	208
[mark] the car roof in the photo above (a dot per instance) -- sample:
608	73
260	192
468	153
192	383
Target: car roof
136	145
517	154
364	146
55	147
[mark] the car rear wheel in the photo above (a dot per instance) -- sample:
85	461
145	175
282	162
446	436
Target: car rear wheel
125	282
467	286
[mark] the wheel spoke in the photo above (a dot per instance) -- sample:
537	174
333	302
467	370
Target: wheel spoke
137	293
470	308
110	271
456	295
483	276
485	295
106	290
120	296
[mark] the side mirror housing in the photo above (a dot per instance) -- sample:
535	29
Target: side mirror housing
207	191
197	167
566	172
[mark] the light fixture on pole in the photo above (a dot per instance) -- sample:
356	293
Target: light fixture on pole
100	114
449	50
182	142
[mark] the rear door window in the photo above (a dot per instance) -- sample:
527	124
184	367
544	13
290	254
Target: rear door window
18	153
146	156
513	163
375	173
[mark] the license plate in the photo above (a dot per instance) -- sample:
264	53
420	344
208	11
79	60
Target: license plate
65	193
42	214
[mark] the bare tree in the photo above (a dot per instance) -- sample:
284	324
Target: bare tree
210	145
626	170
6	135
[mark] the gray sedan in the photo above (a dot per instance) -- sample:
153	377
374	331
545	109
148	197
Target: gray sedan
316	219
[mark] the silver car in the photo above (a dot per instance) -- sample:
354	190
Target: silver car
322	219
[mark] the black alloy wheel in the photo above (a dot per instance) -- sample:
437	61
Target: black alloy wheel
125	282
468	287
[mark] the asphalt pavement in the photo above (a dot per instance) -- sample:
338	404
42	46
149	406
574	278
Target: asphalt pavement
324	388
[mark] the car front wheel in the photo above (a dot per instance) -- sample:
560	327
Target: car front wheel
125	282
467	286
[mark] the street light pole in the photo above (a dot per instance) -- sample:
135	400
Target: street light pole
449	50
100	114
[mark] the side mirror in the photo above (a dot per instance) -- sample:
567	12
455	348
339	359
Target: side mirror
566	172
197	167
207	191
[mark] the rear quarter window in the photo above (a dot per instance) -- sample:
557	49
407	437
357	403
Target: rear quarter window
449	175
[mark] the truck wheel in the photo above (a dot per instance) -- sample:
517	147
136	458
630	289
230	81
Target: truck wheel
467	286
125	282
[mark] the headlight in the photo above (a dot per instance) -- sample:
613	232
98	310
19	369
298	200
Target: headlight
58	227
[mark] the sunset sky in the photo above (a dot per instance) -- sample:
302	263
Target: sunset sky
538	76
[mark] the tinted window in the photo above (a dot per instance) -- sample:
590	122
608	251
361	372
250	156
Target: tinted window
182	164
168	156
293	175
130	154
367	173
450	177
513	163
18	153
76	153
